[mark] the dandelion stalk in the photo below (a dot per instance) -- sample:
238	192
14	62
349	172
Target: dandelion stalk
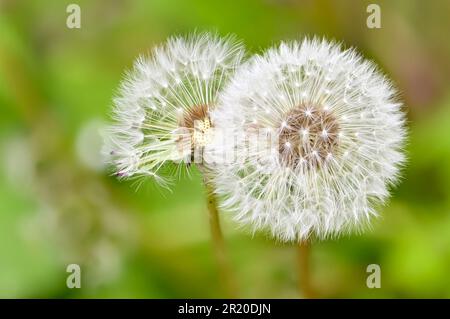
218	242
304	256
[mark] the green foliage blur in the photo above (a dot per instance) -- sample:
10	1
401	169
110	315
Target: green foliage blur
59	205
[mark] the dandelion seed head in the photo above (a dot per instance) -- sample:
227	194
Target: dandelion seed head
162	109
339	131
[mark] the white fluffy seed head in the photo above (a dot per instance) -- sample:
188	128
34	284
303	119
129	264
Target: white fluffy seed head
162	108
340	134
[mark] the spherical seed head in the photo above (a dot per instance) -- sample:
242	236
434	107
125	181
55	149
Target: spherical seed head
339	132
162	109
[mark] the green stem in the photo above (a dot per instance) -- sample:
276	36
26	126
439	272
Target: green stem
304	254
218	243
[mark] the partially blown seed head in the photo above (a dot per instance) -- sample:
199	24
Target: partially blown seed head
162	110
338	133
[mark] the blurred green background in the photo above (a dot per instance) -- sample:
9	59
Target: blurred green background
59	206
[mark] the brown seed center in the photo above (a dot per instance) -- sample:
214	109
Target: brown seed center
308	136
197	125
